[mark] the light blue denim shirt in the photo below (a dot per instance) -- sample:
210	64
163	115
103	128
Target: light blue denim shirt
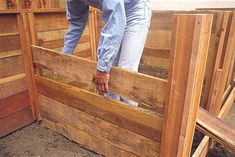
114	15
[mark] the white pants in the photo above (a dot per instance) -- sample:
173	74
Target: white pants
133	42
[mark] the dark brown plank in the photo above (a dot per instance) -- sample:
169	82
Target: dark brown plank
13	104
15	121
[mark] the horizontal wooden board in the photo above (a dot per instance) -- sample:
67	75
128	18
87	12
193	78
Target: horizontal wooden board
153	71
107	132
216	129
8	23
140	121
12	85
15	121
12	65
58	21
10	43
13	104
147	90
88	141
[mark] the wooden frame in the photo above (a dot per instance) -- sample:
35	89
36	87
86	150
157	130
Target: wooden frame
16	98
149	129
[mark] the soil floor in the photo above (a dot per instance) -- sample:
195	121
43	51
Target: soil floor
38	141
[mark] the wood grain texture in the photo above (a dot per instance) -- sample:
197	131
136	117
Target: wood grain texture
147	90
12	85
12	65
204	146
13	104
229	49
190	44
140	121
15	121
106	132
216	129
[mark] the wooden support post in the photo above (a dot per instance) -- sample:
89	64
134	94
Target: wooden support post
190	43
28	64
92	32
220	31
229	49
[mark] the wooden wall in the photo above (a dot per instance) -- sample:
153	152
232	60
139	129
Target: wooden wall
15	104
31	4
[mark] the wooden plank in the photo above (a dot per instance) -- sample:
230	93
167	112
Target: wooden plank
204	146
15	121
9	43
153	71
13	104
215	51
217	129
147	90
8	54
107	132
190	44
229	49
140	121
12	85
24	27
88	141
59	21
11	66
8	24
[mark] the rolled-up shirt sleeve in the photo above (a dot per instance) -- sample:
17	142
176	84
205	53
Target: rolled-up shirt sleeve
77	15
111	34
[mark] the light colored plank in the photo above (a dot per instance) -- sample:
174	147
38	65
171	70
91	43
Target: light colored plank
217	129
204	146
107	132
12	85
190	44
141	121
229	50
147	90
11	66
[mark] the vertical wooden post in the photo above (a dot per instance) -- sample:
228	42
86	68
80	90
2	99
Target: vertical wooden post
28	64
92	32
229	49
190	44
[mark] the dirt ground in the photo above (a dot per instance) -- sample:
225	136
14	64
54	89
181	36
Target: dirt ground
38	141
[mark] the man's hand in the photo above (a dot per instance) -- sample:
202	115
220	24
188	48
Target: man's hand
101	80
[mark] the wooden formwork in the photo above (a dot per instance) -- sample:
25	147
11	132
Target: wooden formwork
113	128
32	4
106	126
16	95
221	90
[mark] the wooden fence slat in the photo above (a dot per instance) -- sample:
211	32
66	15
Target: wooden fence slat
217	129
190	44
204	146
12	85
147	90
141	121
15	121
127	140
14	104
